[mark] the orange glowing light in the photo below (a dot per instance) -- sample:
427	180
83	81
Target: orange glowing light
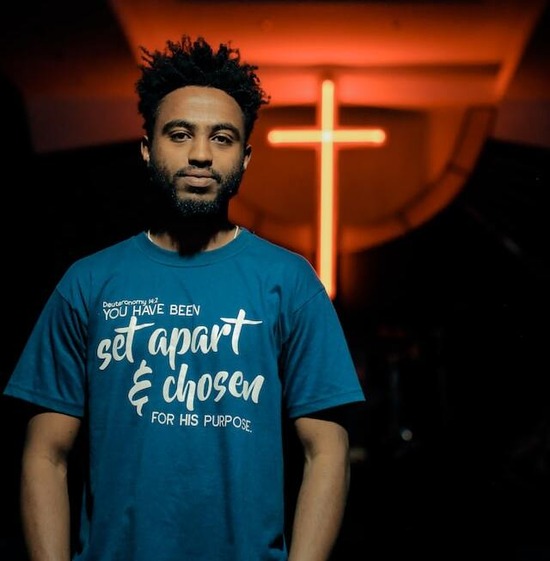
328	139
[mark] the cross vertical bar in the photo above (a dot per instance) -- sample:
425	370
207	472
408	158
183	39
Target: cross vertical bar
327	215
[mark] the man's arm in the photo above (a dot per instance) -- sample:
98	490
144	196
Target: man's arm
45	505
322	496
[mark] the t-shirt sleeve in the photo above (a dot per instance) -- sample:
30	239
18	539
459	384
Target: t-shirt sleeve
318	370
50	372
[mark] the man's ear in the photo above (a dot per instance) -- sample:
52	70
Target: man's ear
247	155
145	154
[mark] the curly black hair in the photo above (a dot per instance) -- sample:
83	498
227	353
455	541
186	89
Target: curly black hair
194	63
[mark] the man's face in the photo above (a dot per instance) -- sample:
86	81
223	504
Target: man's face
198	156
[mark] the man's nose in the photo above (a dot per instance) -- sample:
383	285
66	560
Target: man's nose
200	152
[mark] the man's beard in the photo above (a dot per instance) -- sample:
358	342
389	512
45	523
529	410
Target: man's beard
191	223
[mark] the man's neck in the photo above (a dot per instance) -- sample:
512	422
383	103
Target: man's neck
195	241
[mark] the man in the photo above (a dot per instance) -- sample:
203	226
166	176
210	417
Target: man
180	351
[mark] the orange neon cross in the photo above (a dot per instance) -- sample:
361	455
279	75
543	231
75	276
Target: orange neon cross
326	136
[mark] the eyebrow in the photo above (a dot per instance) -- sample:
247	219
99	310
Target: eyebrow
187	125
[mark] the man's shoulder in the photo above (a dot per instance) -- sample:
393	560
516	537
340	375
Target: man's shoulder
113	251
271	250
106	258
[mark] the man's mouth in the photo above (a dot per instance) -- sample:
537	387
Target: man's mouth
203	181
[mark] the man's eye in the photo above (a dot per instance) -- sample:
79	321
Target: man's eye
221	139
179	136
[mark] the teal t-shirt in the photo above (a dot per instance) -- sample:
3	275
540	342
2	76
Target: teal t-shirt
182	368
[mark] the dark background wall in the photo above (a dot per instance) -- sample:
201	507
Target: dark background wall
453	336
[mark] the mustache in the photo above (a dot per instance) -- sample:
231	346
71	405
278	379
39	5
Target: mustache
190	169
